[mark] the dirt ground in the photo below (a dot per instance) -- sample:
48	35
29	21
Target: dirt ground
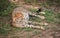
52	30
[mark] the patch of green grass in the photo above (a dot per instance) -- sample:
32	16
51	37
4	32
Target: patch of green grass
8	10
3	31
49	16
46	5
53	2
33	2
58	15
57	18
28	1
4	4
6	26
28	29
37	32
41	4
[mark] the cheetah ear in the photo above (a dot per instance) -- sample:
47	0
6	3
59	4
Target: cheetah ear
39	10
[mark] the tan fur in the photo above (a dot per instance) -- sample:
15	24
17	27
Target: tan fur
17	15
